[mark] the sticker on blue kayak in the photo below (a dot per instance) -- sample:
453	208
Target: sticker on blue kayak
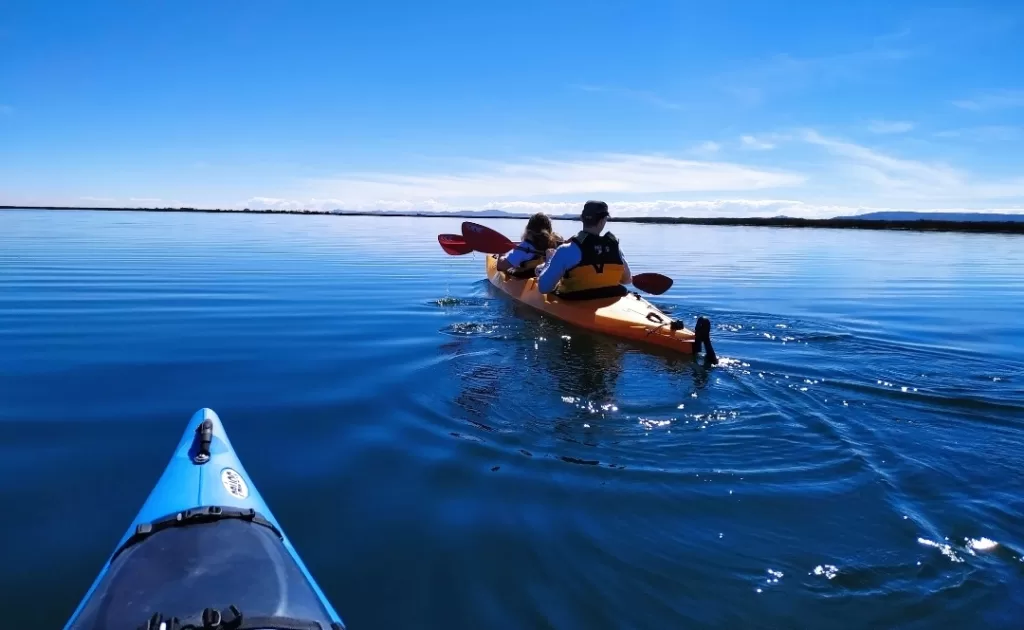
234	483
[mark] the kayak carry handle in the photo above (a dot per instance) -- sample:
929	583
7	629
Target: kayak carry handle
204	435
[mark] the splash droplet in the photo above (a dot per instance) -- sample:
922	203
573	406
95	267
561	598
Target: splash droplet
981	544
828	570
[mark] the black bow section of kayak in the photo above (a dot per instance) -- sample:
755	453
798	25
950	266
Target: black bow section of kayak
195	516
232	619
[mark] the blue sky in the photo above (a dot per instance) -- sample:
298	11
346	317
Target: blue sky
658	107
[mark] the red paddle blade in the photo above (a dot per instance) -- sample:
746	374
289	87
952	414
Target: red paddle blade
483	239
453	244
653	283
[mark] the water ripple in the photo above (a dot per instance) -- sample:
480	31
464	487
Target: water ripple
860	437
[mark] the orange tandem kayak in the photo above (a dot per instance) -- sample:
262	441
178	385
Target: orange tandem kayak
629	317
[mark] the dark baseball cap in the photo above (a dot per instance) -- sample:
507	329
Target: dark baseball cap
594	210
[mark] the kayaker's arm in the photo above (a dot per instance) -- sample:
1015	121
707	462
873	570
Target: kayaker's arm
548	274
627	275
515	258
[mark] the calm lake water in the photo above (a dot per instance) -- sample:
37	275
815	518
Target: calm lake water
444	459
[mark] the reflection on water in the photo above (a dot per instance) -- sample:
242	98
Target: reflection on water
469	462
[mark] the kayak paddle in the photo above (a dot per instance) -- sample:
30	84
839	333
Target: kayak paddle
483	239
453	244
653	283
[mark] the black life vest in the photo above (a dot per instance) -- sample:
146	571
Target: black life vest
529	268
599	272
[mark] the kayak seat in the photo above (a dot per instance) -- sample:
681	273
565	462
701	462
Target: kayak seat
215	558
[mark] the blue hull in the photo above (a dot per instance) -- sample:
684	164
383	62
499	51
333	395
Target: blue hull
204	543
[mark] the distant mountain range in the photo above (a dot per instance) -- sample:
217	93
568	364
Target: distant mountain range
469	214
870	216
971	221
936	216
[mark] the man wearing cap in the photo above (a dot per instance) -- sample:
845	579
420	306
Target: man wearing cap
589	265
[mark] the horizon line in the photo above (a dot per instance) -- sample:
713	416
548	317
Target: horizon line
850	222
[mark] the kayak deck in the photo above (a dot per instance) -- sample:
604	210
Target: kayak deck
628	317
204	545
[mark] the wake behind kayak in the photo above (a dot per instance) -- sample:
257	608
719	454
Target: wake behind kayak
205	552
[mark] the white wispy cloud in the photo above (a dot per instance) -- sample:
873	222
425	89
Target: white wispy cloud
98	199
656	208
890	126
992	100
895	177
750	142
818	175
277	203
757	79
746	94
706	148
609	174
646	96
845	178
926	35
989	133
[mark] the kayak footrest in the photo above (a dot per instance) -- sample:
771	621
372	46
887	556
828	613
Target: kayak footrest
195	516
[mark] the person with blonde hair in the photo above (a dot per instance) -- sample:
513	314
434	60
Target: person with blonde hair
538	237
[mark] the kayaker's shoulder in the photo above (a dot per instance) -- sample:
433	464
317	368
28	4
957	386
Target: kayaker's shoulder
583	235
567	244
569	250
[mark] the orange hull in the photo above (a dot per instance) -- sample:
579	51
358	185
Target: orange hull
628	317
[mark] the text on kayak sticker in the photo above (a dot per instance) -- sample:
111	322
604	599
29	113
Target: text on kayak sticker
234	483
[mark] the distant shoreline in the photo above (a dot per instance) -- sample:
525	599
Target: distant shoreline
915	225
